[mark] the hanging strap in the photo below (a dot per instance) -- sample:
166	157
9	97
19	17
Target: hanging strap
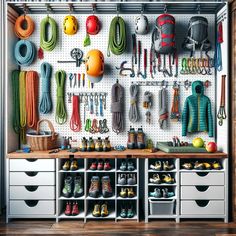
75	121
133	110
218	53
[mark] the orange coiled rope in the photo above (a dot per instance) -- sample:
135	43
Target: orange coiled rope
20	31
32	82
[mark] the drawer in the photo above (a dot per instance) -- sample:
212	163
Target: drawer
32	178
32	207
32	165
202	178
203	207
32	192
203	192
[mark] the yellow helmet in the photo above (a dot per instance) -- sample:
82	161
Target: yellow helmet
70	25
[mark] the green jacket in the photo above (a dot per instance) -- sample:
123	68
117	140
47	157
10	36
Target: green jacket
197	116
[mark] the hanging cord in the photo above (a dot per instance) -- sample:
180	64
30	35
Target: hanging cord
61	115
46	101
218	53
50	44
163	112
75	121
16	101
117	108
20	31
22	94
32	85
29	55
117	39
175	111
133	110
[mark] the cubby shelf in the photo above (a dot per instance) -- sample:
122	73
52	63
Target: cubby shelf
112	215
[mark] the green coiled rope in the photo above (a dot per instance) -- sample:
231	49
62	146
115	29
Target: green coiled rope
117	36
61	115
16	101
50	44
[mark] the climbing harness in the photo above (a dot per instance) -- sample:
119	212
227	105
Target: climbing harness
94	128
133	110
219	41
88	124
103	126
75	121
24	33
175	110
16	101
117	36
61	115
46	101
24	52
221	115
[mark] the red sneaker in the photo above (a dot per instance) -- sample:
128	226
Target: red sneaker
93	165
75	209
100	165
107	165
68	209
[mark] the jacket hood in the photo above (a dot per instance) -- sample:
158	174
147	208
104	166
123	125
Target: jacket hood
197	88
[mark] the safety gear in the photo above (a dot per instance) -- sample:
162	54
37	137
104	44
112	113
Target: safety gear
70	25
141	25
92	25
94	64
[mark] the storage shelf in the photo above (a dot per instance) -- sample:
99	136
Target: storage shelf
161	216
126	185
112	215
183	170
151	184
101	171
101	198
71	198
162	198
127	171
133	218
72	171
162	171
80	216
127	199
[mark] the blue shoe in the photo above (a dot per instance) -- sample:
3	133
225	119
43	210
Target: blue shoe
156	193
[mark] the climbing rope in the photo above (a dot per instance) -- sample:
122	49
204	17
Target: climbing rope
16	101
46	101
75	121
22	94
61	115
32	86
20	31
24	52
117	36
133	110
45	43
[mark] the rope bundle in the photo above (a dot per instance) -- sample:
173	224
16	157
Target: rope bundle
133	111
75	121
46	101
32	99
117	39
61	115
27	58
20	31
48	44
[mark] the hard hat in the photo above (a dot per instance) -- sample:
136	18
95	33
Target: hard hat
141	25
94	63
70	25
92	25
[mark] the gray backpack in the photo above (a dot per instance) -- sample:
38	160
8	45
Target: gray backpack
197	37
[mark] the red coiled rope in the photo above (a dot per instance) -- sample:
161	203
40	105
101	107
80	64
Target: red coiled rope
75	121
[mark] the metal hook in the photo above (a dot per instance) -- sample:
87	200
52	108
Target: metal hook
70	7
94	7
117	9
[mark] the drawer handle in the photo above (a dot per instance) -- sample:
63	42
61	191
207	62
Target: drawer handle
31	160
31	203
31	188
202	174
202	188
202	203
31	173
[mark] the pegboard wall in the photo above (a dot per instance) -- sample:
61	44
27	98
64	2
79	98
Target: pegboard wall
67	43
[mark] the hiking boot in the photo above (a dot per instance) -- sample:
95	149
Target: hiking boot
167	194
157	166
106	187
107	165
123	212
130	165
167	179
207	166
131	179
132	141
75	209
130	193
104	210
67	189
106	145
78	189
74	165
66	165
98	145
155	179
216	165
199	166
93	166
167	166
123	165
141	139
94	187
83	145
67	211
100	165
122	179
90	146
156	193
187	166
96	210
130	211
123	192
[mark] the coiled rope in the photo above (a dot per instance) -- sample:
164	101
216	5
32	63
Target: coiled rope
133	110
32	85
46	101
24	58
75	121
20	31
117	36
22	94
48	44
61	114
16	101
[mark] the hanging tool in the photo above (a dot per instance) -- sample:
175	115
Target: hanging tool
145	64
151	63
134	55
139	58
71	77
75	80
122	69
83	79
79	80
75	54
221	115
176	65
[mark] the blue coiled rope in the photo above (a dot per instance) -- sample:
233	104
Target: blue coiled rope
30	53
46	101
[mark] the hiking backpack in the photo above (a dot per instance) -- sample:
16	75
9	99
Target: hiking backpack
197	37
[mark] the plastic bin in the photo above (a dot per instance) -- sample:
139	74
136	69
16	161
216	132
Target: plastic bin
165	207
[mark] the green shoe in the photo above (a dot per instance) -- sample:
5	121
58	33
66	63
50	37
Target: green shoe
78	189
123	213
130	212
67	189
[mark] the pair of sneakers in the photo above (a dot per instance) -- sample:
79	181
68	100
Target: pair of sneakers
127	210
72	187
127	165
158	193
71	209
100	210
165	179
126	179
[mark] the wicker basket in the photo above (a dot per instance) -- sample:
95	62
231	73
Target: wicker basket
42	141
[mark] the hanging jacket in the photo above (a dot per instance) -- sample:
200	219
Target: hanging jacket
197	116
